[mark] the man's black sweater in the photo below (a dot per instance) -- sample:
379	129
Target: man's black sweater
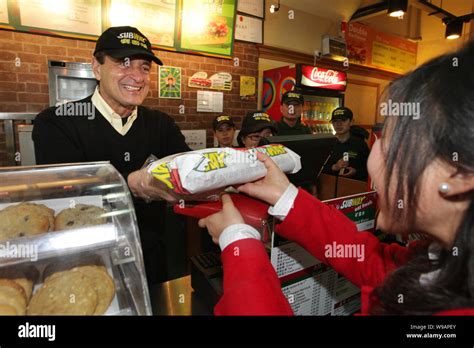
86	138
66	139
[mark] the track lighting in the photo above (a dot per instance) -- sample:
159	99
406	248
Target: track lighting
397	8
275	8
453	29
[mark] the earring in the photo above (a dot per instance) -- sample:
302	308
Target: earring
444	188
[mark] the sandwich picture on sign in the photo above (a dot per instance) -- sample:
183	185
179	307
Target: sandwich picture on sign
170	82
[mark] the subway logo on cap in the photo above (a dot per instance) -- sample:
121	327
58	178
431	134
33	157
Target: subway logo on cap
223	118
128	38
293	95
339	113
261	116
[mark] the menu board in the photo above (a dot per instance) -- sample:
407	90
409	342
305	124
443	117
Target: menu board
368	47
199	26
311	287
76	16
154	18
3	11
208	26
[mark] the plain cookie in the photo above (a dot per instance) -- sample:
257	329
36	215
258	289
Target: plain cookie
72	293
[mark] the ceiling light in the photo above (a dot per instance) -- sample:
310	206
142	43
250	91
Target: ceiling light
397	8
275	8
453	29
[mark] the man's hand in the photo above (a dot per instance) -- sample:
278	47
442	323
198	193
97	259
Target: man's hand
217	223
339	165
270	188
143	185
348	172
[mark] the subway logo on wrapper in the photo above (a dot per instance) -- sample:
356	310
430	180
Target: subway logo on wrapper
162	173
211	161
206	170
272	150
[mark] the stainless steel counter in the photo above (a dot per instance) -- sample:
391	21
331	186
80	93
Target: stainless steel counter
176	297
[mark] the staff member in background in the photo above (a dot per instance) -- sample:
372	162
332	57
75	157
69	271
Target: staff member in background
350	154
224	130
291	109
256	126
118	130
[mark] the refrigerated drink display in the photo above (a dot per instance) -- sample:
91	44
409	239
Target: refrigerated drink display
319	110
322	89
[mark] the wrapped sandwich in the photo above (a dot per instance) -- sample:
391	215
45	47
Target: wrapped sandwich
208	170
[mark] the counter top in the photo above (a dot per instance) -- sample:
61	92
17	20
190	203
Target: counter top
177	297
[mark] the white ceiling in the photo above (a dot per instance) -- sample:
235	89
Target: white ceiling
331	9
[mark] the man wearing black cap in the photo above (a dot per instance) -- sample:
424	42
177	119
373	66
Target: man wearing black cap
349	156
118	129
256	127
224	130
291	108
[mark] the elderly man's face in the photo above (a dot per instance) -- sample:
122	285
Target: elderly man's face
124	83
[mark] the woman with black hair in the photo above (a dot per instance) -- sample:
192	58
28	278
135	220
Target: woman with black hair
423	168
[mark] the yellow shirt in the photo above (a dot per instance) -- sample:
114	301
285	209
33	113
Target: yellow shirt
111	116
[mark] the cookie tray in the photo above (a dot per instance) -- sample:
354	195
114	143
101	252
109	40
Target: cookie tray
51	244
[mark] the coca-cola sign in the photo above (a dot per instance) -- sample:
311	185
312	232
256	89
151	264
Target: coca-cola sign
312	76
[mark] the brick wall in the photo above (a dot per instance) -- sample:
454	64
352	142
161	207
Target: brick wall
25	88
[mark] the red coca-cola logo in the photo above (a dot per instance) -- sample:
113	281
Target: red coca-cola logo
324	76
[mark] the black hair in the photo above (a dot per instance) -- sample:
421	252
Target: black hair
443	130
100	56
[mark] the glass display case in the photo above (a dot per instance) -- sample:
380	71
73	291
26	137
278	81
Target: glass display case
69	242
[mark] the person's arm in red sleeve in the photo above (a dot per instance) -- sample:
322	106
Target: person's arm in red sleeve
318	227
251	286
321	229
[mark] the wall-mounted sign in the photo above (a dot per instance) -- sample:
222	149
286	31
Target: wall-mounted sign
210	101
249	29
252	7
154	18
199	26
312	76
247	86
77	16
170	82
3	11
208	26
220	81
368	47
195	139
